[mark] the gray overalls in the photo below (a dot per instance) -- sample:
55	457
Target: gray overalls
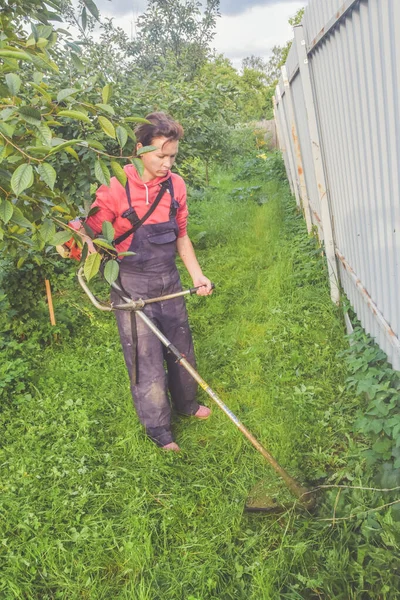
150	273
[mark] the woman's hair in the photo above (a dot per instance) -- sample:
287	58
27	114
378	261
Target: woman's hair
161	125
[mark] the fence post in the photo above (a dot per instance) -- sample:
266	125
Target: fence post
318	162
281	140
285	127
297	150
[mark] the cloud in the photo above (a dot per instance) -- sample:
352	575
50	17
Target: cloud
237	7
251	27
119	8
256	31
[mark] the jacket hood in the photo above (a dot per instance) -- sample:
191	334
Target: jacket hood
134	177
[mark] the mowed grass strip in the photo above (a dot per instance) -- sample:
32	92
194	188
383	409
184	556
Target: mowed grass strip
91	509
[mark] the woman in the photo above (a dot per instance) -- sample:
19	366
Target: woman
152	272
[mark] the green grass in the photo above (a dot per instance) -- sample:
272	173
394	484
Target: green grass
91	509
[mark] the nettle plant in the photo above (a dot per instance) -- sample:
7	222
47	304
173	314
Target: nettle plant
372	378
59	134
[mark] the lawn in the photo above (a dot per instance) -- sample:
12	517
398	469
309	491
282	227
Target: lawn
91	509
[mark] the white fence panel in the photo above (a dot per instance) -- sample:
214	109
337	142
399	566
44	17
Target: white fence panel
352	52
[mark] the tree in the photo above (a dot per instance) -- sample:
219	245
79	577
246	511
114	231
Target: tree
55	119
175	32
280	53
256	63
67	108
271	68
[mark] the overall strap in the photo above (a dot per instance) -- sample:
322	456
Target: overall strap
131	213
174	204
140	222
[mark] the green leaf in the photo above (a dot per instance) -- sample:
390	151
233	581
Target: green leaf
138	165
84	252
61	237
45	134
52	40
7	129
108	231
19	219
74	114
92	8
92	265
107	126
111	271
106	108
66	94
47	230
45	31
93	211
42	43
60	209
93	144
72	152
146	149
6	211
13	83
78	64
122	136
35	32
22	178
75	47
42	63
64	31
128	253
37	77
63	145
103	244
88	230
136	120
101	172
17	54
130	132
6	113
118	172
21	261
106	93
30	115
84	18
48	174
39	149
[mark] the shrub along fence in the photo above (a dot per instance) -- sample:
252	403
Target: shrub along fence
337	111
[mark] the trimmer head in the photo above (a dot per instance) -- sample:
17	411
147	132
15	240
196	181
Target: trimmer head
272	497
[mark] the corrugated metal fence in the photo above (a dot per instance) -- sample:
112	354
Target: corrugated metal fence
337	109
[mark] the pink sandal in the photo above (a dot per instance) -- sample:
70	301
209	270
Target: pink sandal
171	447
203	412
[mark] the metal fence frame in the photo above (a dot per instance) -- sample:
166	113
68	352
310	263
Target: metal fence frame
337	111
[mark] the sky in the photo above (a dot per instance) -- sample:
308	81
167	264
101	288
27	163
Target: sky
246	27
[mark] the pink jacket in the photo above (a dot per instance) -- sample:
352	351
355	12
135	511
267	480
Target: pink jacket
113	201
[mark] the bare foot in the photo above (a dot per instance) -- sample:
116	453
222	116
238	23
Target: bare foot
203	412
172	446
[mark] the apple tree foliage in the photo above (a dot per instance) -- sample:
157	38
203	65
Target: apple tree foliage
59	132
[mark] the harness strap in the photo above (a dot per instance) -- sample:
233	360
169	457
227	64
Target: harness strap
132	215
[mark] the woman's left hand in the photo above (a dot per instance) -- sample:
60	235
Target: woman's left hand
205	283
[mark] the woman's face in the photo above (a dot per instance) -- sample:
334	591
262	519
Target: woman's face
158	162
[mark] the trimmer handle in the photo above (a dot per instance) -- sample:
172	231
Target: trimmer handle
194	289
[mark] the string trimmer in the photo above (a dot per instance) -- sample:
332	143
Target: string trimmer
257	500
